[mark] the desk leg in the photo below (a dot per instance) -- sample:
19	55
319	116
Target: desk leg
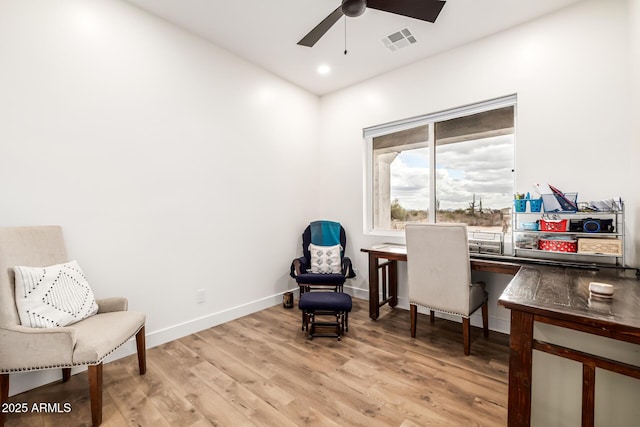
520	360
588	394
374	296
393	283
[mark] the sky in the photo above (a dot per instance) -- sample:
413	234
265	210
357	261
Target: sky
484	167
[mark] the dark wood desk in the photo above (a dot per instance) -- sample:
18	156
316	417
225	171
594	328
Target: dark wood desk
550	294
383	273
560	296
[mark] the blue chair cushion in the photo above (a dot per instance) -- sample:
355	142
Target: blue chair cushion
332	301
320	279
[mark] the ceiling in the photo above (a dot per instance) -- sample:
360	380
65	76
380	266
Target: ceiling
266	33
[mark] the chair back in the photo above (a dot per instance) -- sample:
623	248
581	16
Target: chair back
37	246
323	233
438	269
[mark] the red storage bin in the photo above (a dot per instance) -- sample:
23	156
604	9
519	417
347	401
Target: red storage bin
558	225
558	245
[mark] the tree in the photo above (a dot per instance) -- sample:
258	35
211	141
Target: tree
472	206
397	211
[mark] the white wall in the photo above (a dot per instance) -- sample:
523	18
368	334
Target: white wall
172	165
634	54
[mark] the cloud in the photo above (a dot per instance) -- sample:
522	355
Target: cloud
482	167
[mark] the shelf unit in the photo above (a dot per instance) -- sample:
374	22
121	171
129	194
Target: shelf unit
525	242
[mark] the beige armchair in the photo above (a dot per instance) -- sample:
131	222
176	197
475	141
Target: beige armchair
85	343
439	275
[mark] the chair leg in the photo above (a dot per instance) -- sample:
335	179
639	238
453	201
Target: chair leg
4	395
466	335
414	319
95	393
432	316
66	374
485	319
311	319
142	351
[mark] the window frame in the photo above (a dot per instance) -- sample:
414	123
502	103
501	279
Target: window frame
405	124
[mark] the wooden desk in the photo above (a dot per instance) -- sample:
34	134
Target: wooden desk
560	296
385	257
549	294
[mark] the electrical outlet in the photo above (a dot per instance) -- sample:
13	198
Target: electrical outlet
200	296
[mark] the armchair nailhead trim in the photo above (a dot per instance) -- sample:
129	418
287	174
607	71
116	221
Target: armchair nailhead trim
439	310
66	365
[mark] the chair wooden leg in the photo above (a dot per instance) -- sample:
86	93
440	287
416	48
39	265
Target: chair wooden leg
66	374
142	351
95	393
4	387
432	316
414	319
466	335
4	395
485	319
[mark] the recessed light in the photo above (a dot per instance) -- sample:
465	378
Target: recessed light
324	69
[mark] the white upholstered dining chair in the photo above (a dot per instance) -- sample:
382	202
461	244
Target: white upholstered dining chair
84	343
439	275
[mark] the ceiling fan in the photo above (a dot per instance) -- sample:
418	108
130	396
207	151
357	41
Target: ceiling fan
425	10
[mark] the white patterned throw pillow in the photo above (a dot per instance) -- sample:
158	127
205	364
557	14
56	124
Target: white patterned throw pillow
325	259
49	297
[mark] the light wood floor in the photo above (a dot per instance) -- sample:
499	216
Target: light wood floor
261	371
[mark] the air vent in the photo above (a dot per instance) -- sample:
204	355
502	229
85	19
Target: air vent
398	40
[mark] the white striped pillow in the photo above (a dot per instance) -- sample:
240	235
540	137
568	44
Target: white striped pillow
54	296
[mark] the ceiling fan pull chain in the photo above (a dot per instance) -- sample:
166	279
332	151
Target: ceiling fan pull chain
345	34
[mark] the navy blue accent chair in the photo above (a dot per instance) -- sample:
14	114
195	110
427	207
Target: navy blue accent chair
300	267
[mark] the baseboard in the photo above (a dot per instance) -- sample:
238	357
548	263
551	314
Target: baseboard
24	381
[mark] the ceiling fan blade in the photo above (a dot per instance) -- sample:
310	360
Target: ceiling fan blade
314	35
425	10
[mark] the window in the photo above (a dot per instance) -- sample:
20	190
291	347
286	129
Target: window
452	166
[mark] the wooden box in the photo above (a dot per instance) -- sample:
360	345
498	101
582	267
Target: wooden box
600	246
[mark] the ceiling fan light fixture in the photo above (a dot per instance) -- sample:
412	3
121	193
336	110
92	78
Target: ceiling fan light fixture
353	8
424	10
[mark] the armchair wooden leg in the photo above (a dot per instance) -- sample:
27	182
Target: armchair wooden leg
66	374
466	335
4	395
414	319
142	351
4	387
485	319
95	393
432	316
